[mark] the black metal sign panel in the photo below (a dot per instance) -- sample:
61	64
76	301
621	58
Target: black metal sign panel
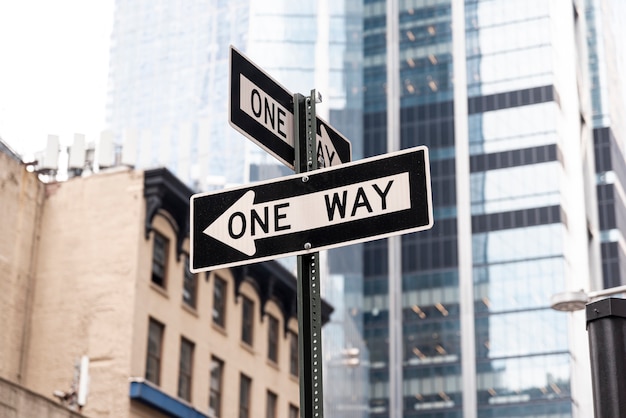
327	208
262	110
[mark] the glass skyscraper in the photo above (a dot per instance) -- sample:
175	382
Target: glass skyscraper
508	95
169	77
519	102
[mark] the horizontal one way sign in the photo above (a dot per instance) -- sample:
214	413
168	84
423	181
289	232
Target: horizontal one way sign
262	110
331	207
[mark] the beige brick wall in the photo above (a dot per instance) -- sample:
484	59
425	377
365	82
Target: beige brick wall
21	199
85	293
167	307
93	296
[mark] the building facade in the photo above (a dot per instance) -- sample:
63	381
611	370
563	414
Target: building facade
100	270
501	93
519	104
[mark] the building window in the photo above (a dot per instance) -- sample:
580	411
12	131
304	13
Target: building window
219	302
272	339
294	412
247	318
159	259
293	354
245	384
272	401
153	358
184	369
215	394
190	281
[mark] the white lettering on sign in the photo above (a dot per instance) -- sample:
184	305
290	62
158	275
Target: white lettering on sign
260	106
326	152
265	110
245	221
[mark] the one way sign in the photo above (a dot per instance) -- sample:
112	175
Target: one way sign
262	110
355	202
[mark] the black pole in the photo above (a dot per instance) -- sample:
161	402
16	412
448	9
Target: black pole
606	325
309	296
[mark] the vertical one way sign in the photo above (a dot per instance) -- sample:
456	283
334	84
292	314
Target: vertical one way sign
327	208
262	110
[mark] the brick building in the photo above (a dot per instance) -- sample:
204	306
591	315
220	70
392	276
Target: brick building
96	266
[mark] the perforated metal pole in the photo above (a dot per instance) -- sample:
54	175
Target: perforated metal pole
309	299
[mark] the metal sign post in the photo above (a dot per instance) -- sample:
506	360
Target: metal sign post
309	297
606	325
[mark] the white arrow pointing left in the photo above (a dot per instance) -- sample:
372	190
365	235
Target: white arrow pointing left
246	221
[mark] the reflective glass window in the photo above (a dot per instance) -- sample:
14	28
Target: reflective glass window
498	12
511	70
520	333
513	128
521	34
522	379
515	188
518	244
525	284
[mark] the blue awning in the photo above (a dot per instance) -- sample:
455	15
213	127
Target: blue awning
153	397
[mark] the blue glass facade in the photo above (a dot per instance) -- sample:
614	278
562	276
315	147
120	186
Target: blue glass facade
518	222
527	211
529	107
606	62
431	346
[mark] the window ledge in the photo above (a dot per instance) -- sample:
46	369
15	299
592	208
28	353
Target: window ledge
272	364
219	329
247	347
160	290
190	309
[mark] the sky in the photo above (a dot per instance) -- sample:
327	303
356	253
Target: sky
54	59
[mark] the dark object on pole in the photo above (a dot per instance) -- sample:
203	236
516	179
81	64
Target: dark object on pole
606	325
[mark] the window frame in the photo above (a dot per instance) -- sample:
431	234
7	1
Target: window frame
215	392
154	357
155	279
271	405
185	376
247	320
294	411
190	280
272	338
219	304
294	366
245	390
